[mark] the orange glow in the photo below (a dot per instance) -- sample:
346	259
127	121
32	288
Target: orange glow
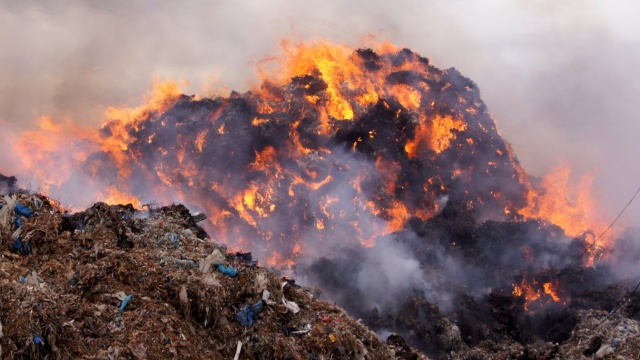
251	195
536	296
435	134
569	205
115	197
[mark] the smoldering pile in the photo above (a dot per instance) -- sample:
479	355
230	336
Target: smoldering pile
382	179
457	288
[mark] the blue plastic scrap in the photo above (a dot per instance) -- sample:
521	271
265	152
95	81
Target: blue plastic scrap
247	315
20	247
227	270
174	240
125	301
22	210
17	244
17	221
37	340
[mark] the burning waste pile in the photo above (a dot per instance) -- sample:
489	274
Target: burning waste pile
375	176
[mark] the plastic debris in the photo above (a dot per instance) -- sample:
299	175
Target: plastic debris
181	263
246	316
266	297
305	330
37	340
20	246
22	210
214	258
174	240
124	303
292	306
246	259
197	217
238	350
227	270
17	244
604	351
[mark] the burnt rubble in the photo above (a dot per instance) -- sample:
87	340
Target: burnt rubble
469	309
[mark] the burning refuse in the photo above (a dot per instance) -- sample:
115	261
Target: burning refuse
335	144
339	151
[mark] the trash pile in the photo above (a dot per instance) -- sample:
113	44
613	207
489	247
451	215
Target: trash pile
604	336
598	335
114	282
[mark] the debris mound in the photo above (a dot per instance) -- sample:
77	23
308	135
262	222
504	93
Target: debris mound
115	282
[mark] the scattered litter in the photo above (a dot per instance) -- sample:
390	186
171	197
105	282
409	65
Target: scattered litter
246	259
305	330
227	270
185	306
292	306
197	217
246	316
174	240
214	258
238	350
181	263
22	210
124	303
37	340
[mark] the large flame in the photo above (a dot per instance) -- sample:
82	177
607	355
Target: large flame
337	147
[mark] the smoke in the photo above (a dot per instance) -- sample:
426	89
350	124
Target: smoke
559	78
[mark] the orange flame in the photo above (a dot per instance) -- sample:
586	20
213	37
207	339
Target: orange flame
349	86
536	295
570	206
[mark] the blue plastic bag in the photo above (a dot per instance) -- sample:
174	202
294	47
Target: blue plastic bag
227	270
22	210
247	315
21	247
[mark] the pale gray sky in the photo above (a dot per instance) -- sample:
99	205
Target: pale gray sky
560	77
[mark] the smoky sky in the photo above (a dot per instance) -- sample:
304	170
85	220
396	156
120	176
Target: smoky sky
560	78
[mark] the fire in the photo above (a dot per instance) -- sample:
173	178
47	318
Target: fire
114	197
536	295
335	146
571	206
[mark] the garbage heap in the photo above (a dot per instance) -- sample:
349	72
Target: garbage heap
112	282
597	335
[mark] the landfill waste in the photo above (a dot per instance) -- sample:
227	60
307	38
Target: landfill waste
597	335
227	270
246	259
105	284
248	314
